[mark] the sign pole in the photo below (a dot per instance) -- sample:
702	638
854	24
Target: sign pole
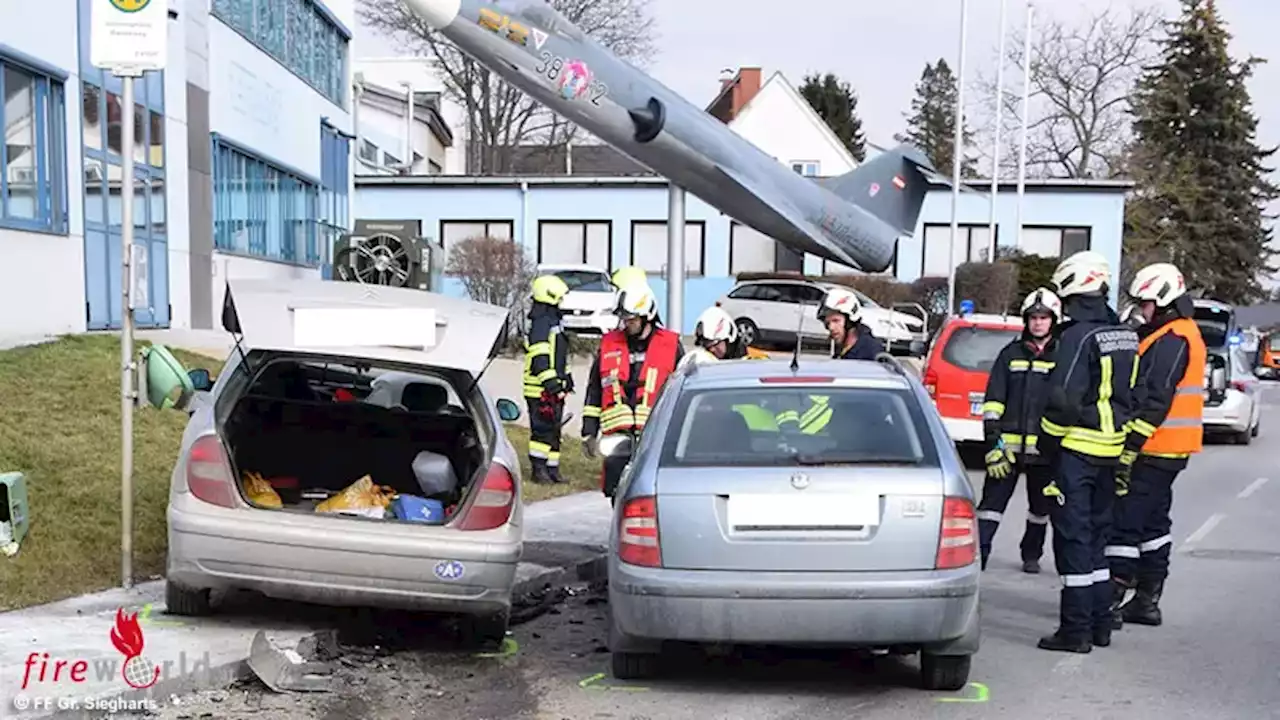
127	367
956	160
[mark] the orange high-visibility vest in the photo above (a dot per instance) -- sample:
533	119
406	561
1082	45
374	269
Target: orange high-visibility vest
1182	431
754	354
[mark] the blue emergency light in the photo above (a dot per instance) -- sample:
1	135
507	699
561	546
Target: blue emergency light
966	307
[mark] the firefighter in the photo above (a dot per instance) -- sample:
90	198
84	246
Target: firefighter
628	277
715	335
1165	431
1015	397
630	369
1082	435
546	377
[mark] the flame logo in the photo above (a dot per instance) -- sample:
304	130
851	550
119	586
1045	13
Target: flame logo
574	80
126	636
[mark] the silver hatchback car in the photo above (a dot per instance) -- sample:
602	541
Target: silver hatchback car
731	530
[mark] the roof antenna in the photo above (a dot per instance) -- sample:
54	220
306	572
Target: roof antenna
795	358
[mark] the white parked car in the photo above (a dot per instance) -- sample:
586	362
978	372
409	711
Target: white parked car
770	311
589	306
1236	411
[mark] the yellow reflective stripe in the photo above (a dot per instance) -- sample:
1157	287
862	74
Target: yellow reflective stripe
553	458
590	411
1142	427
533	391
1133	376
1092	448
787	416
1106	420
650	383
538	449
1019	365
992	410
1014	441
1170	456
1052	428
538	348
1042	366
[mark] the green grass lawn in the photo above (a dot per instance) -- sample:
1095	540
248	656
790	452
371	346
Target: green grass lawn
60	425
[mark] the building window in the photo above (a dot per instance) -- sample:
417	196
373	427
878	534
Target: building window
971	246
369	152
335	181
1055	241
300	34
263	210
649	246
750	250
572	242
33	187
453	232
808	168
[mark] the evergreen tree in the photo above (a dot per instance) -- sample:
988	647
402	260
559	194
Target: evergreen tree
931	126
837	104
1201	181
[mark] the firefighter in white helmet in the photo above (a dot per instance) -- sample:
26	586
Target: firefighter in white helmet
841	312
1016	393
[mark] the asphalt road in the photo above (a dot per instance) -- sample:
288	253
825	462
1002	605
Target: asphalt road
1217	655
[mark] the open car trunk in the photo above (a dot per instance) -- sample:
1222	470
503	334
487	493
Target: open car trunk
311	432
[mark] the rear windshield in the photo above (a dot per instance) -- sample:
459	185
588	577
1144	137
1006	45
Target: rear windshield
1275	343
739	428
976	348
585	280
1215	324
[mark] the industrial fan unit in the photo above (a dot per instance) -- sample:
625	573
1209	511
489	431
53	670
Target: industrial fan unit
387	252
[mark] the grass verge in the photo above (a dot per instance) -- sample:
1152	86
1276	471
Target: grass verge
60	426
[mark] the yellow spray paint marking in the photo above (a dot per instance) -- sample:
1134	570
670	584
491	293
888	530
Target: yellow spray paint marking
509	647
130	6
983	695
591	683
145	617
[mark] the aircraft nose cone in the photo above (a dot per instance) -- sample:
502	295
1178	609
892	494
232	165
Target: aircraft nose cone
435	13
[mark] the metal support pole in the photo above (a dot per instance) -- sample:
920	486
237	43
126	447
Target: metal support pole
675	258
1026	112
995	143
126	338
955	161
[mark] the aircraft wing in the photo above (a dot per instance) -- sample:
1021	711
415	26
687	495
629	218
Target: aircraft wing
784	214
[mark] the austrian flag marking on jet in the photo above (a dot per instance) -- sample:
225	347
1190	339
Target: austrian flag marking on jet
898	182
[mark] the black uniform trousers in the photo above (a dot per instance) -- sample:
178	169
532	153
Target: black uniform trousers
1081	526
1142	538
996	494
546	415
611	473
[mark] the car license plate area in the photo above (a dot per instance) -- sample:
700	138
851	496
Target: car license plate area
816	511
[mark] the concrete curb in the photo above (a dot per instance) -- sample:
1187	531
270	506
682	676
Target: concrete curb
220	676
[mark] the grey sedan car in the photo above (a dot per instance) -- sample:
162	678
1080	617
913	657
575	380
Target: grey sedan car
731	530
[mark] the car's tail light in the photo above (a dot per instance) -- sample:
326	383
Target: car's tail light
494	501
209	474
958	540
638	542
931	383
1239	385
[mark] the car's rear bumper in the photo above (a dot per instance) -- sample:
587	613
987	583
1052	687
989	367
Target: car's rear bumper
872	609
963	429
1233	414
285	557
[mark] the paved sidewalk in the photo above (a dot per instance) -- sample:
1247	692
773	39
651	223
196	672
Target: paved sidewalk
70	640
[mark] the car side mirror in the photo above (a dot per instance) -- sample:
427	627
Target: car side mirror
916	348
200	380
508	411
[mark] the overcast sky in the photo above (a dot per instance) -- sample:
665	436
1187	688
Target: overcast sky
881	47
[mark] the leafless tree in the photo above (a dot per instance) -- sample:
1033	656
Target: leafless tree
1081	78
500	116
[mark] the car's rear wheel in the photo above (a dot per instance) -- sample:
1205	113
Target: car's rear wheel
484	632
748	330
181	600
633	666
1244	437
944	672
1257	427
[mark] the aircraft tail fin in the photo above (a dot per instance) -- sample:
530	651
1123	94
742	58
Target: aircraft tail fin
890	186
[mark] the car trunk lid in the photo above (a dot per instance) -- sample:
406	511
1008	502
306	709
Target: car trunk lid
964	366
375	323
835	518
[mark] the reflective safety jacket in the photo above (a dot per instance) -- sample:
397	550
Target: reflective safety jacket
546	354
810	420
754	354
1090	399
625	380
1017	391
1169	419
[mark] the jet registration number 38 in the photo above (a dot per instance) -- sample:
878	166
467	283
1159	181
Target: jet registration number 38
552	67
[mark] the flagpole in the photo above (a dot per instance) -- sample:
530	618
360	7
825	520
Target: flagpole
995	143
955	160
1026	110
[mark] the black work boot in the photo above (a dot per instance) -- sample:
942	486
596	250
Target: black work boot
1031	567
554	472
1145	608
1102	636
1058	642
1123	594
541	474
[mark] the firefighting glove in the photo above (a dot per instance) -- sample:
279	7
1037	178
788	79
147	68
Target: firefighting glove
1051	490
1124	471
591	447
999	462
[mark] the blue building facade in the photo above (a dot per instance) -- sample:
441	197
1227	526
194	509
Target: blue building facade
612	222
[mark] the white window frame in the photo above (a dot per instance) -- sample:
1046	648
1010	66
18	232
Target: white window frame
695	233
585	240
